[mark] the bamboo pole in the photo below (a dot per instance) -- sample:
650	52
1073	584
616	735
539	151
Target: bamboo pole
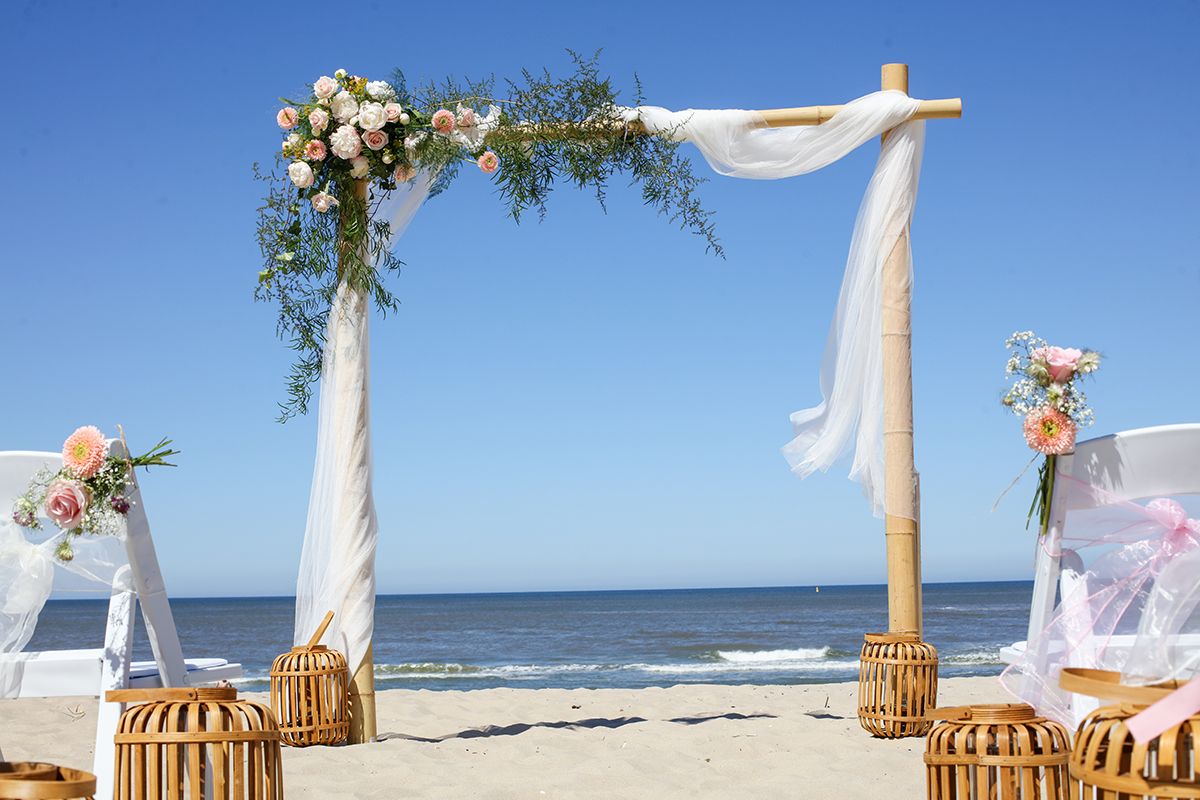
900	475
362	686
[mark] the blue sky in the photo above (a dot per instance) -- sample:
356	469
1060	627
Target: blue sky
593	402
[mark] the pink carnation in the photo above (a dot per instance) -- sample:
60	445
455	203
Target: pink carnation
287	118
1060	362
443	121
488	162
376	140
315	150
66	501
1049	431
84	451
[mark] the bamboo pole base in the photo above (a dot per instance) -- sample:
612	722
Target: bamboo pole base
363	727
897	685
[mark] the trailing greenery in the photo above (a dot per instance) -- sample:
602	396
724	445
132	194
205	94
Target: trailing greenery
547	130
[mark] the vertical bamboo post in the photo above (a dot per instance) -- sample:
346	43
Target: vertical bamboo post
900	476
362	685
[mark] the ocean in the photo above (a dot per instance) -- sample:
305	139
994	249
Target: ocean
624	639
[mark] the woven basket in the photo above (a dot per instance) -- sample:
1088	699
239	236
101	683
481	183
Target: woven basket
987	751
1107	763
32	780
310	695
897	684
188	742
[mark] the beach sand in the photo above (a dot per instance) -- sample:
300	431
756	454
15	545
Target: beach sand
688	741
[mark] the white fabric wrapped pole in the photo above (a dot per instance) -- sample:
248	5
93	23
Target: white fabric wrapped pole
337	563
736	144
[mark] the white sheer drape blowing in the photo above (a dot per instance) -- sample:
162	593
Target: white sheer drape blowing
735	144
337	563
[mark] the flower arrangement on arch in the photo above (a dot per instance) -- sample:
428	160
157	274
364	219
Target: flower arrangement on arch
1045	391
90	493
348	133
351	128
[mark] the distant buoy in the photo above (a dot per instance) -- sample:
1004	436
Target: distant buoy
818	590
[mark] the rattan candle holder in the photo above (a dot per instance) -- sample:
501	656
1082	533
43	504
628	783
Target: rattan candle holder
195	744
310	693
989	751
1107	763
32	780
897	684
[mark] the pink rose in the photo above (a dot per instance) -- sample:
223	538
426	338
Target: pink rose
393	111
287	118
375	140
65	503
1060	361
466	118
325	87
315	150
488	162
318	118
443	121
323	201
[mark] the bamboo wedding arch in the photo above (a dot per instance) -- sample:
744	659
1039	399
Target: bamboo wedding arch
901	488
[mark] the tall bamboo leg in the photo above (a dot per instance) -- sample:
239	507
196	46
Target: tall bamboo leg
363	727
900	475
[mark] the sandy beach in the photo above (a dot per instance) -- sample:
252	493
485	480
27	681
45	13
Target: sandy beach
685	741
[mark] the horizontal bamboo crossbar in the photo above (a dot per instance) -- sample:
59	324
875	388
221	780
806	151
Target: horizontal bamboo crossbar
949	108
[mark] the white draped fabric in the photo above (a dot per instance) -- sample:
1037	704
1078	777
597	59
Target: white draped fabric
337	562
736	144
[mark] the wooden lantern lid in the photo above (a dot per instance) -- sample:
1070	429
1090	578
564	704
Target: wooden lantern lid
210	694
1106	685
30	780
892	637
987	714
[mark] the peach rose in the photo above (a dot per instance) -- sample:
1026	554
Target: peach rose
318	118
287	118
376	140
324	87
65	503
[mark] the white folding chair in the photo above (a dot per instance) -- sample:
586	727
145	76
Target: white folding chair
1141	464
61	673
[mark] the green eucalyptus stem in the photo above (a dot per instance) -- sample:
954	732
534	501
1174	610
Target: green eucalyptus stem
1043	495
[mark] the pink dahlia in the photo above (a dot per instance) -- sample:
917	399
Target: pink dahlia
443	121
1050	431
84	451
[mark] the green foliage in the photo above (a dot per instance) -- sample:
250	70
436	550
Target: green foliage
548	131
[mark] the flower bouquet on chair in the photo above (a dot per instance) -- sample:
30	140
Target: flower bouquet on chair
1045	391
91	493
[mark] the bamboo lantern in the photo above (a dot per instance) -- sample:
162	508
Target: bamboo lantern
897	684
1107	763
986	751
31	780
195	744
310	693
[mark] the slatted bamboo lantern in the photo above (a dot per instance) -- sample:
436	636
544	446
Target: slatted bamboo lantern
897	684
310	693
195	744
986	751
1107	763
32	780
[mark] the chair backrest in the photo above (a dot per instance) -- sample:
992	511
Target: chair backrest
16	469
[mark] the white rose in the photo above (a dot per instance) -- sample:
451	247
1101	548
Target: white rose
318	118
301	174
380	90
341	73
291	141
324	87
359	167
345	142
371	116
323	201
343	105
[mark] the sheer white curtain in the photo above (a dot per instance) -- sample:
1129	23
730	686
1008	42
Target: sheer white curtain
850	414
337	562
